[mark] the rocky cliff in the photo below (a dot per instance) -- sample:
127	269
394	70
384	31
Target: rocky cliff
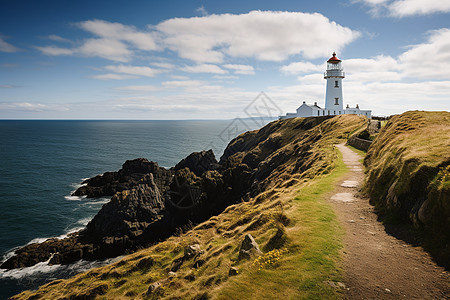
150	203
252	190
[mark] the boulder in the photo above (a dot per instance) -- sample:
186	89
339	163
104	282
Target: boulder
192	251
249	248
153	287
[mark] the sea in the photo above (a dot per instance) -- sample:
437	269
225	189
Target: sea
43	161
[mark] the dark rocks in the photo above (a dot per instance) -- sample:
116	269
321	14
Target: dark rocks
176	264
249	248
130	175
233	271
153	287
199	162
129	212
190	251
50	250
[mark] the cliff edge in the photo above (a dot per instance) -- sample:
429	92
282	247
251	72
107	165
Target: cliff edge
408	178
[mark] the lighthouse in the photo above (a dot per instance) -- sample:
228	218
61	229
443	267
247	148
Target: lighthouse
334	101
334	75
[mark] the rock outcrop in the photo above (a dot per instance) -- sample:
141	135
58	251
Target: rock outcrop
126	178
249	248
198	162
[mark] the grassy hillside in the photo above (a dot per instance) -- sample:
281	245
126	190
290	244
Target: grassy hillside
295	228
409	176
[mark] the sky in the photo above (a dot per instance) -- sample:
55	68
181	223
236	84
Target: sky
108	59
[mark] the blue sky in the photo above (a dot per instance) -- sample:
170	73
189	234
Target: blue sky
211	59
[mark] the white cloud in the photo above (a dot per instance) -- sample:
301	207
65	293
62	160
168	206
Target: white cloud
57	38
31	107
106	48
301	67
241	69
430	59
204	68
264	35
134	70
55	51
163	65
113	76
406	8
7	47
202	11
114	41
119	32
221	77
380	68
182	83
179	77
140	88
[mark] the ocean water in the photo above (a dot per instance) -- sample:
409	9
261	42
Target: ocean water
42	162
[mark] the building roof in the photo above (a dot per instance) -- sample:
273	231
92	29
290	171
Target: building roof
311	105
334	59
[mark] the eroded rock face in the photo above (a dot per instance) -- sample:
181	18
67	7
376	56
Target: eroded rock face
126	178
199	162
129	212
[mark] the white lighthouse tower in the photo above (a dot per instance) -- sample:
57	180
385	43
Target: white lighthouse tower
334	101
334	75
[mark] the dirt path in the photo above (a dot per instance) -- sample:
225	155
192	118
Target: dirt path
377	265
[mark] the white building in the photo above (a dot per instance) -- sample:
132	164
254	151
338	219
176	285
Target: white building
333	99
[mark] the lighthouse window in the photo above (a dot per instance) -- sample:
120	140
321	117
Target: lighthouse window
336	101
336	84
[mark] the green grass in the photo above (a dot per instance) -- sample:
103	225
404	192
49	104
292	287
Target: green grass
313	251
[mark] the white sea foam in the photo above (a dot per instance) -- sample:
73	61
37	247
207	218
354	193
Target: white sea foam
60	271
84	221
42	267
8	255
75	198
97	201
59	237
75	187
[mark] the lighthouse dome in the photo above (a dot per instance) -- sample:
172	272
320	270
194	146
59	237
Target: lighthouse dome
334	59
